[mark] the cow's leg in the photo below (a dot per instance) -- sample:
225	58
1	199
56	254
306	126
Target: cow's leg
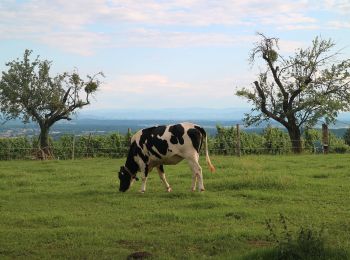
144	179
143	185
197	173
194	181
161	173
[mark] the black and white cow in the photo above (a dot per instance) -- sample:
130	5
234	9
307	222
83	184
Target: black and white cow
163	145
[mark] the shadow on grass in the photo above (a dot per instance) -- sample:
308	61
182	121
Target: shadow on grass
275	254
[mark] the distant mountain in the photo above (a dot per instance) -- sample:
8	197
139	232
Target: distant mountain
107	121
180	114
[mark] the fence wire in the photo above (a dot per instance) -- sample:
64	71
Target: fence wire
77	150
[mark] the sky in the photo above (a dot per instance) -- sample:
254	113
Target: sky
159	54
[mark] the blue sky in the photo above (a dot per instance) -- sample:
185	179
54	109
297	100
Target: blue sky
159	54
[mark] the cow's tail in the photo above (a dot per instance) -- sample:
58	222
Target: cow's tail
207	158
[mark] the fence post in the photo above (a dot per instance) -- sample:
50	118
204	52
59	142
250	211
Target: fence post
325	138
73	148
129	135
238	142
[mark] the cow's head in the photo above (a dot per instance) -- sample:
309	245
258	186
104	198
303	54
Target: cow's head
126	179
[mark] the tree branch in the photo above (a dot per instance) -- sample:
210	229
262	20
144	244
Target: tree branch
264	108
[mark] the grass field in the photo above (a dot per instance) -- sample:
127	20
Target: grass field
73	209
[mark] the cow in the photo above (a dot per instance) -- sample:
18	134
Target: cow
162	145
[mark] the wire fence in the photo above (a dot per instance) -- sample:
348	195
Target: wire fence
228	141
77	149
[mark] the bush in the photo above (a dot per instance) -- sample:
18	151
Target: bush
340	148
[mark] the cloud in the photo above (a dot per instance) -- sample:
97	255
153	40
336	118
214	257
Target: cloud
339	6
339	25
82	27
176	39
144	84
205	13
160	91
79	42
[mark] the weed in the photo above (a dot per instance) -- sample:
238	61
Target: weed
306	243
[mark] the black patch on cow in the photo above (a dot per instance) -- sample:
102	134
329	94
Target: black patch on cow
161	168
146	170
152	151
196	138
200	129
177	132
130	162
150	139
204	134
125	179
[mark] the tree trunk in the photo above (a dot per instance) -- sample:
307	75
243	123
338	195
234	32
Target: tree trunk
45	150
295	138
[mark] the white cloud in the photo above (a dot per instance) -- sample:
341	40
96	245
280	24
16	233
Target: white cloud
339	24
143	84
80	42
83	26
175	39
160	91
338	6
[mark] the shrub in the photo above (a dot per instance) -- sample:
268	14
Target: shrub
340	148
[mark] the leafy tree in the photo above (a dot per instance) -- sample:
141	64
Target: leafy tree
28	92
299	90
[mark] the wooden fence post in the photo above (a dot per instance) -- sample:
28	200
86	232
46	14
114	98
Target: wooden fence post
238	142
129	135
325	138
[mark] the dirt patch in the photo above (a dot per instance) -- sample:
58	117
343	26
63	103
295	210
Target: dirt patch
139	255
259	243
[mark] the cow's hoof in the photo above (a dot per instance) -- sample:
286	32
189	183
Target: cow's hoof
201	190
193	190
142	191
169	189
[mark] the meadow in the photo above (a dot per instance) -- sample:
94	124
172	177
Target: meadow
72	209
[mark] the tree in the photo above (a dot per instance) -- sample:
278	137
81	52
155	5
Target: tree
28	92
299	90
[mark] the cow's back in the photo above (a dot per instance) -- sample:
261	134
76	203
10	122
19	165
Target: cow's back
163	141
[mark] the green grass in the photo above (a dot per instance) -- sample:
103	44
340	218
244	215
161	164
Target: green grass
73	209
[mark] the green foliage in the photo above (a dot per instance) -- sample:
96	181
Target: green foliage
115	145
346	136
225	142
312	137
276	140
339	148
15	148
